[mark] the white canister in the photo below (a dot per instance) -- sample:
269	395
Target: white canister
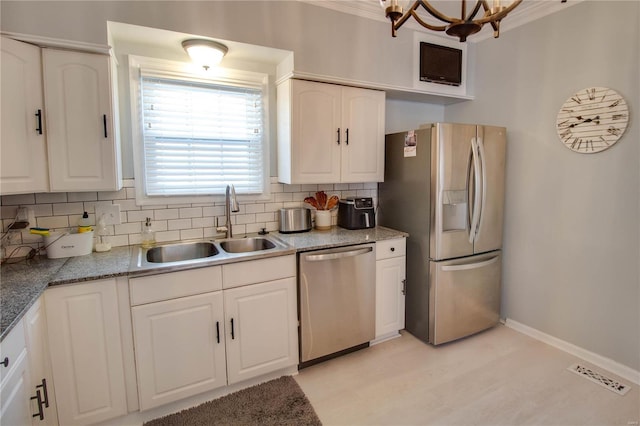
323	219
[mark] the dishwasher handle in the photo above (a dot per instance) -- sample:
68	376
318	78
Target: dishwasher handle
337	255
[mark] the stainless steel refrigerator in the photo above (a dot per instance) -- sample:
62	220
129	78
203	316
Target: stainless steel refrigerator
444	185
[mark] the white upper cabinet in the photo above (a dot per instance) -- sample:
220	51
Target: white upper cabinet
59	123
329	133
23	165
363	127
83	154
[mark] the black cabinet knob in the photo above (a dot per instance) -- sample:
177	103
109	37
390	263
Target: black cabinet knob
5	361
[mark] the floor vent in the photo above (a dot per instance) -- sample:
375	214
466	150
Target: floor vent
594	376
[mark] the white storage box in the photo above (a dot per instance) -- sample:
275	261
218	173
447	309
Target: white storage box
59	244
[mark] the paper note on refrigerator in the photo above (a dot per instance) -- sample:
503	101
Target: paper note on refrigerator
410	144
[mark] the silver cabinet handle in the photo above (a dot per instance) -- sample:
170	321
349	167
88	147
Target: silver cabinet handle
337	255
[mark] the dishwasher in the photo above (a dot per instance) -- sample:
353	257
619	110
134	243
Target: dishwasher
337	301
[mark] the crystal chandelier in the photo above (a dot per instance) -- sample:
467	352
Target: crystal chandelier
461	27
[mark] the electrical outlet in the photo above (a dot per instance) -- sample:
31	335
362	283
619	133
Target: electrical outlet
22	214
110	212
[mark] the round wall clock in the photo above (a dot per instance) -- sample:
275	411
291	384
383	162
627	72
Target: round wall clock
592	120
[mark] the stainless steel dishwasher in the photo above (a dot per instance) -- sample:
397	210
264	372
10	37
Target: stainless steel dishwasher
337	300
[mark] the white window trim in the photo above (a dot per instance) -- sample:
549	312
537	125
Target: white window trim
189	71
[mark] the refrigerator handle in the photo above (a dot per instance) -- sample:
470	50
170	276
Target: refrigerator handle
483	185
476	193
468	266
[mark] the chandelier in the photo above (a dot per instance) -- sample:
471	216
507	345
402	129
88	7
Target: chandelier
461	27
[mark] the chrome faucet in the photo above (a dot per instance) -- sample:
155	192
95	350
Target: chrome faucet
230	205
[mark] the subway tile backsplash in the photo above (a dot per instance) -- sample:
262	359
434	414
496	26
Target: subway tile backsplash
60	211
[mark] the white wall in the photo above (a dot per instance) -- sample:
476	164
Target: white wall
325	42
572	239
405	115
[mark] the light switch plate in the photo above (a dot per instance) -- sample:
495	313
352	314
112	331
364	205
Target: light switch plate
111	213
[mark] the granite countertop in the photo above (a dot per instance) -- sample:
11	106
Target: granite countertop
336	237
22	282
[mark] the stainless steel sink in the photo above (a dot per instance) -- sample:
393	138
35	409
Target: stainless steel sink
180	255
181	251
246	245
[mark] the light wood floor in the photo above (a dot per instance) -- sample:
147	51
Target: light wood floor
498	377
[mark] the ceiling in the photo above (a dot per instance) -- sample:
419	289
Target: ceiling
527	11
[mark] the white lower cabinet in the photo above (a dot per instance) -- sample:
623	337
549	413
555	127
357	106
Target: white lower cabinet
390	287
15	407
86	352
197	330
180	348
263	335
27	386
44	405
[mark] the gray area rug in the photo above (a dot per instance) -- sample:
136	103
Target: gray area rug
277	402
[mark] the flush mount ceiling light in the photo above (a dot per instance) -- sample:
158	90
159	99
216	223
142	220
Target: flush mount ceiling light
205	53
461	27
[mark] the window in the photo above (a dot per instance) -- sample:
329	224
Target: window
197	135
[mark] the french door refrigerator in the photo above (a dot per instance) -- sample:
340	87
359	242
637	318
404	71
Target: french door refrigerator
444	185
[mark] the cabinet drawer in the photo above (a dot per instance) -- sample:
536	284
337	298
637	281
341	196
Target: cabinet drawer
10	348
257	271
391	248
171	285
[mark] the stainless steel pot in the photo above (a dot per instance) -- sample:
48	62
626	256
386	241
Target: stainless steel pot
294	220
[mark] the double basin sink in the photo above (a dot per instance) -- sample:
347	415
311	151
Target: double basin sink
215	251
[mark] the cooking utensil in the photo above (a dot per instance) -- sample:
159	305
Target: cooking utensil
321	196
333	202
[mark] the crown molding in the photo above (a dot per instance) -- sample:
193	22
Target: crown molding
45	42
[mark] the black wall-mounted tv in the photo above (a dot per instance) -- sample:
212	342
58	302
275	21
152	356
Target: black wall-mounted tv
440	64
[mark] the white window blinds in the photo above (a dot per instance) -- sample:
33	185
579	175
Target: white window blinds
199	137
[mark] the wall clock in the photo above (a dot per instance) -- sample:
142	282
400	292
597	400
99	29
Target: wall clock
592	120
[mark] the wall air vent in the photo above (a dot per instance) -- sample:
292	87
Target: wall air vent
594	376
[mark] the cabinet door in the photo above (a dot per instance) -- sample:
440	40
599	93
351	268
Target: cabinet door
83	155
315	132
15	407
262	330
180	348
39	364
363	126
23	165
390	282
86	351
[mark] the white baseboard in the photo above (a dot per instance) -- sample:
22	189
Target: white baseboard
595	359
385	337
